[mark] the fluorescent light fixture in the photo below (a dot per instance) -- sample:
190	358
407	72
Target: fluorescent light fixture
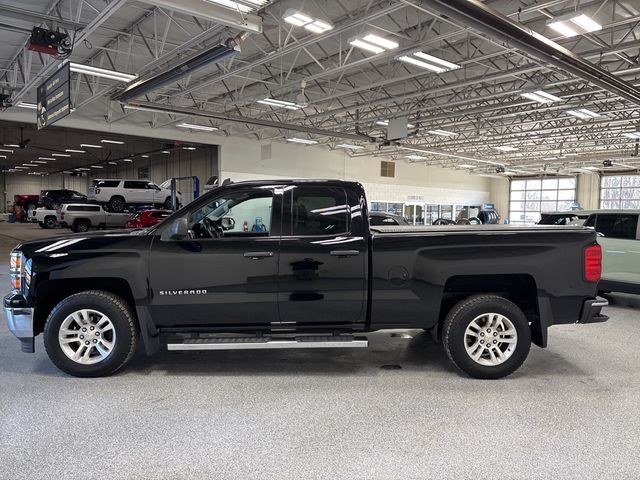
11	145
188	148
30	164
429	62
193	126
60	155
505	148
633	135
349	146
243	7
366	46
385	123
319	26
296	18
46	158
83	169
112	163
591	168
583	114
97	166
71	150
540	96
187	66
305	141
465	165
5	150
39	161
116	142
442	133
128	160
88	145
280	103
144	156
373	43
167	152
574	23
101	72
3	156
31	106
415	157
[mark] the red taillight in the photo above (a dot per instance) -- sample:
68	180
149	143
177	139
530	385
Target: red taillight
61	215
593	263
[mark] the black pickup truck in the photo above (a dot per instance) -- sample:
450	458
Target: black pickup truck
295	264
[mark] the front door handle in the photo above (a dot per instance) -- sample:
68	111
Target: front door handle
344	253
257	255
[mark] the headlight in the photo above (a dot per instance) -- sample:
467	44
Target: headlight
15	271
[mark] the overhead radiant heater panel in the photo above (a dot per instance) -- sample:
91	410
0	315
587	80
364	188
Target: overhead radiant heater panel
209	57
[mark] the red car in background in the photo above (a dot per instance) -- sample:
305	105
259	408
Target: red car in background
147	218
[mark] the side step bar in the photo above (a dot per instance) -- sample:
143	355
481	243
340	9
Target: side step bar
258	343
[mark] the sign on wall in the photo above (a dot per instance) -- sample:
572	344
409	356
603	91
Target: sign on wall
53	98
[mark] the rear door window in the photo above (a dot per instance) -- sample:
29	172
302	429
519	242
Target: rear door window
622	226
136	185
319	211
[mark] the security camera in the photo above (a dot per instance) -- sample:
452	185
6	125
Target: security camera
607	163
500	169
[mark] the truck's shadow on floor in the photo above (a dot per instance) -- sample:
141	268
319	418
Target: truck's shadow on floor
385	353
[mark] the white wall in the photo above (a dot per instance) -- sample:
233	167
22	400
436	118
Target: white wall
242	158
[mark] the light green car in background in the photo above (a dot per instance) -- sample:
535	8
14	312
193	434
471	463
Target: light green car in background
620	240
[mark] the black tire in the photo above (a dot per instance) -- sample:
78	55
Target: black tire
124	325
443	221
42	225
50	222
55	206
465	312
81	226
167	204
116	204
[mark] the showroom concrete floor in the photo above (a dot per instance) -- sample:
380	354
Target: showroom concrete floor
570	412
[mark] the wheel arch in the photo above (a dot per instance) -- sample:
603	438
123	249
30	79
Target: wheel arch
521	289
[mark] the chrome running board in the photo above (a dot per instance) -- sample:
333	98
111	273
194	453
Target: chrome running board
258	343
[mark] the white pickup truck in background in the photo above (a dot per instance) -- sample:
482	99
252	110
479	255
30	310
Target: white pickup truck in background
80	217
45	217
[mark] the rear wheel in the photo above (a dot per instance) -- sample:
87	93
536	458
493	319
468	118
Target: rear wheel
55	206
90	334
486	336
81	226
42	225
116	204
167	203
50	222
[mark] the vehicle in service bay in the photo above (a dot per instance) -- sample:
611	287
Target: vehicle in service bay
313	273
147	218
83	217
116	194
54	199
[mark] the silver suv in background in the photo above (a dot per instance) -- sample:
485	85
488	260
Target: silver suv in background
116	194
80	217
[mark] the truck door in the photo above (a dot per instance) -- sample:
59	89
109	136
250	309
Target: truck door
224	276
323	258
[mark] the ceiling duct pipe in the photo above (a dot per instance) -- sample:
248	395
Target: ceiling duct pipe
476	15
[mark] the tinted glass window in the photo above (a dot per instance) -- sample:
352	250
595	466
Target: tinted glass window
376	220
136	185
160	214
108	183
617	226
591	221
83	208
319	211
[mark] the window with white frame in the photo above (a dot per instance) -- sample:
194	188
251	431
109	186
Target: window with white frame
529	197
620	191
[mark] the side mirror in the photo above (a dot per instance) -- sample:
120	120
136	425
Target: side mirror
179	230
227	223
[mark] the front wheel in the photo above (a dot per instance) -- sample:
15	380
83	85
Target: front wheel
90	334
486	336
167	203
116	204
81	226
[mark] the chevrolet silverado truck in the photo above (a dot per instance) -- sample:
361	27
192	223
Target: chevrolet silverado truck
295	264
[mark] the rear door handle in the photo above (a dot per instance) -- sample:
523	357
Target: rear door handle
257	255
344	253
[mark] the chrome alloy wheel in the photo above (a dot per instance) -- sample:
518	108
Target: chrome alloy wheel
490	339
87	336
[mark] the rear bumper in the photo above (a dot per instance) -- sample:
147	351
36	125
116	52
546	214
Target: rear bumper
591	311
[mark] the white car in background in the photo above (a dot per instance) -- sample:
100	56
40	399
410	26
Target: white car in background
116	193
619	236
